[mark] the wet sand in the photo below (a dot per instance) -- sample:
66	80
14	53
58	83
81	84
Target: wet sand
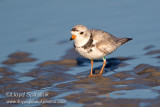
120	89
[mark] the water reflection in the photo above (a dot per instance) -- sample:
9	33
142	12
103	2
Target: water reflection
132	94
112	63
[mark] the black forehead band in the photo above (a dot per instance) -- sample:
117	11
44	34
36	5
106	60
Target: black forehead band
74	29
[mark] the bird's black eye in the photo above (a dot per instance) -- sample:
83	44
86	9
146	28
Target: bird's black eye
81	33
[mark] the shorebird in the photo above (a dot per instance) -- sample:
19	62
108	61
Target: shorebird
95	44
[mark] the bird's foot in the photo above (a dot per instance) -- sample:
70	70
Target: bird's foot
92	75
95	75
99	74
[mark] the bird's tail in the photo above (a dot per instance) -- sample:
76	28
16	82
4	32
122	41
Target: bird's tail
124	40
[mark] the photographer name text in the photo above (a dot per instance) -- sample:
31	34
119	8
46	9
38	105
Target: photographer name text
26	94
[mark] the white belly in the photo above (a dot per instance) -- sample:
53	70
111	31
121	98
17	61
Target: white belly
94	53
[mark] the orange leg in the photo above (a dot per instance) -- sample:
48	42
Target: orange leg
104	63
107	95
91	75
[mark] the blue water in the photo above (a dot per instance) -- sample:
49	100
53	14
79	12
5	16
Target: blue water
135	94
49	22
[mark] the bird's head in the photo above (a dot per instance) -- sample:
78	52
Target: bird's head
79	33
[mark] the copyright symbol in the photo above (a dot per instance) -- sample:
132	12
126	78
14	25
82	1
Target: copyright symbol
8	94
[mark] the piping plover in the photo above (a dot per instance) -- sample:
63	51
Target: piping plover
95	44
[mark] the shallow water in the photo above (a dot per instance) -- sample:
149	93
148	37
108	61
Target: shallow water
133	94
50	22
42	28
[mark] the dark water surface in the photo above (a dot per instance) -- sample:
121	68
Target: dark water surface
42	28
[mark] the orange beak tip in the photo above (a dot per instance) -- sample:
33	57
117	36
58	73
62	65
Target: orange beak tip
73	37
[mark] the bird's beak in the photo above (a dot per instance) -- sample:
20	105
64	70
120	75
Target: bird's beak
73	37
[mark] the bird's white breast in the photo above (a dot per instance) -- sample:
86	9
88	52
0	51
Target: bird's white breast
91	53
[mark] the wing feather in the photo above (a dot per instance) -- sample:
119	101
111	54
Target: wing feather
105	42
